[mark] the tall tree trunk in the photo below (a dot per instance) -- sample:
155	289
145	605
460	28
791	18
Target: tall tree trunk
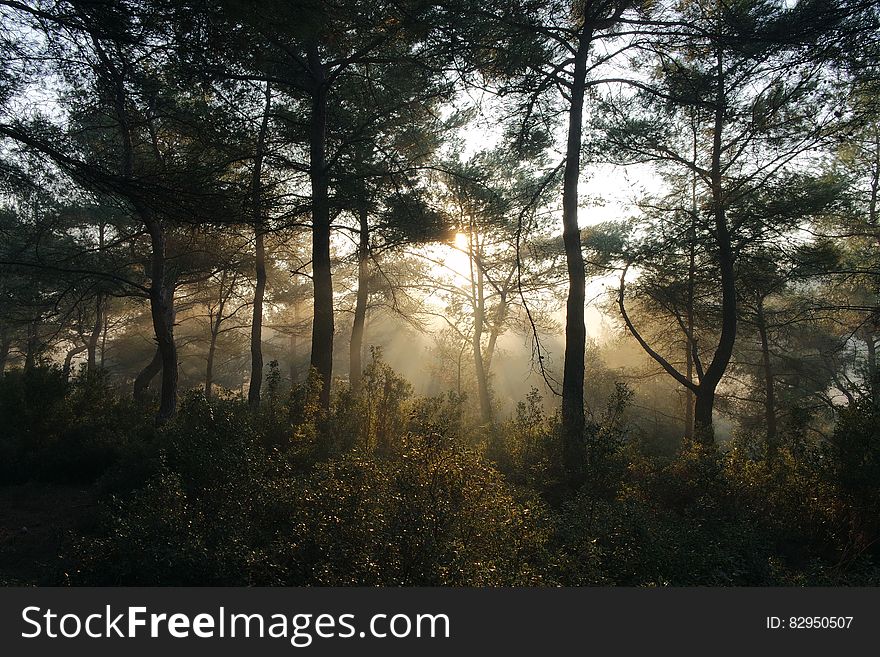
873	374
769	387
356	370
209	367
575	327
145	376
161	289
705	401
162	311
293	346
95	335
104	337
256	381
92	343
32	345
322	322
215	332
478	301
692	272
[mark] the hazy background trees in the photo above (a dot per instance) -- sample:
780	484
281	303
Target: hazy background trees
595	244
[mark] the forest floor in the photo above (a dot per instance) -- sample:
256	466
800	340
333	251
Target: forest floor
35	519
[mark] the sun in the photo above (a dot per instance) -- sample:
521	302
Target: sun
461	241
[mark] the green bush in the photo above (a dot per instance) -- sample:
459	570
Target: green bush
57	431
433	514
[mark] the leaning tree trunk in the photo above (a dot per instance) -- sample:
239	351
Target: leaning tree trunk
356	369
145	376
322	322
256	381
575	327
68	360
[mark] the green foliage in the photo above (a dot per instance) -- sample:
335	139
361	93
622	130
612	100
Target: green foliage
404	494
223	508
60	432
433	514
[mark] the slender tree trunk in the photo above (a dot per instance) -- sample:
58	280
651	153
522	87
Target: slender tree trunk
95	335
5	345
575	328
104	337
161	288
32	345
145	376
356	370
293	346
68	360
769	387
482	379
256	381
495	331
705	401
209	367
873	374
692	272
322	322
479	305
215	332
162	311
92	343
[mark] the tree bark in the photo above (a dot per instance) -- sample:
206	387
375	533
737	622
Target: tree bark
95	335
769	387
256	381
215	331
705	398
209	367
32	345
478	302
162	311
68	360
356	370
104	337
322	322
873	375
145	376
293	345
495	331
575	328
690	346
5	345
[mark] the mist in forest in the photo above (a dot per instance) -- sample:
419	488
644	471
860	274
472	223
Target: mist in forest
440	293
